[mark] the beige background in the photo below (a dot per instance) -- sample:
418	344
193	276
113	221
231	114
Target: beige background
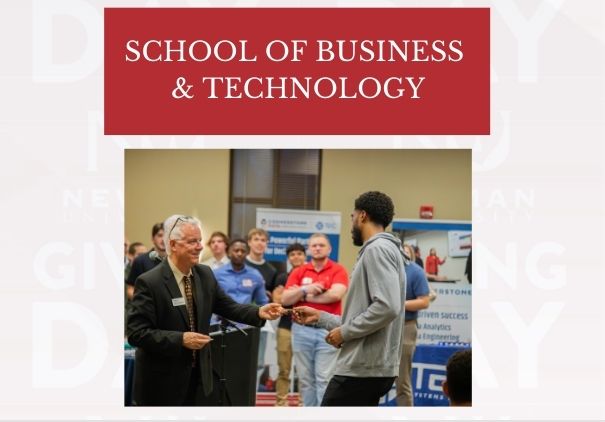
411	177
159	183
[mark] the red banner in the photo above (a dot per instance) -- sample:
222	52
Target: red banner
297	71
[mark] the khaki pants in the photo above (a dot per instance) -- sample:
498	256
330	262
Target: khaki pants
405	395
284	361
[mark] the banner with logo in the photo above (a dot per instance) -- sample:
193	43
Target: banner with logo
448	319
289	226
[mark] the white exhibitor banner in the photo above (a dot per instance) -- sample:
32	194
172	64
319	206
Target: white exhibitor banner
287	226
449	318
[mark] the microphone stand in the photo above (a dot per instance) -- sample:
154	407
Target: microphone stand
229	323
223	396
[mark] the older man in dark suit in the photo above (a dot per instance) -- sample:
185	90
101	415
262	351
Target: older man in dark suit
169	321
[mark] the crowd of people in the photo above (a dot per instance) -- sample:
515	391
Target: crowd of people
351	335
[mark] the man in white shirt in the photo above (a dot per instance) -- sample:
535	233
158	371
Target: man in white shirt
218	246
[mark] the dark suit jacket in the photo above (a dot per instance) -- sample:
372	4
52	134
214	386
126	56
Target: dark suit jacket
155	327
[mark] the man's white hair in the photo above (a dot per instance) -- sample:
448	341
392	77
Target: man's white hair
173	226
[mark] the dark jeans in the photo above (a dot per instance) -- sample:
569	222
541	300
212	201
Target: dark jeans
353	391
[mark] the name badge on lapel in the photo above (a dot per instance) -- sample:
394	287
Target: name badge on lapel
246	282
178	301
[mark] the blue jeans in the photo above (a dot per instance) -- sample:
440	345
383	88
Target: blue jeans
260	366
314	359
262	346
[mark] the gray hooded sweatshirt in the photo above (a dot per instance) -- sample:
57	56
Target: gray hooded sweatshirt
372	318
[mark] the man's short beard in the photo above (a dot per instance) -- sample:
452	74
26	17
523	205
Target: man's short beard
356	234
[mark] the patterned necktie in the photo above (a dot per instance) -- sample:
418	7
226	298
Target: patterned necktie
190	310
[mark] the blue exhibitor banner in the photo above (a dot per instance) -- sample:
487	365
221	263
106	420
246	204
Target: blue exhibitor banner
428	373
289	226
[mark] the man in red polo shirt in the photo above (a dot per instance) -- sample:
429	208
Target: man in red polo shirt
320	284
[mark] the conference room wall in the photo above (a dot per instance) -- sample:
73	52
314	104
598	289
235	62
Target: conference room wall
159	183
441	178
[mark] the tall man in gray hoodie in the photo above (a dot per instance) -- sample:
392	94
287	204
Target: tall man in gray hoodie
369	332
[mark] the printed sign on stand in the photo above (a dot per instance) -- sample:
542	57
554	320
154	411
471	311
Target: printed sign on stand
289	226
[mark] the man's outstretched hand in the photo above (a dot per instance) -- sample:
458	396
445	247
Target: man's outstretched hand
270	311
305	315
